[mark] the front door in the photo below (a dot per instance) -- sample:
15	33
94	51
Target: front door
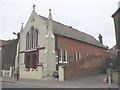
28	62
31	59
34	61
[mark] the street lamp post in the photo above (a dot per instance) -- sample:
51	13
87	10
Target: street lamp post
17	69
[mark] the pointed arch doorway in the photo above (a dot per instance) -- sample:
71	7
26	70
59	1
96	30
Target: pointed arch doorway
28	61
34	61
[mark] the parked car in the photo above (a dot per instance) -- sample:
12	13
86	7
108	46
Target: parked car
55	74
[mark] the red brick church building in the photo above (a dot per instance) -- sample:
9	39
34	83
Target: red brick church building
42	37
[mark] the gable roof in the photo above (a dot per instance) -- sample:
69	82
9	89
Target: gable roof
66	31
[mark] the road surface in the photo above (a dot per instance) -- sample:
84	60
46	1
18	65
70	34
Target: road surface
15	85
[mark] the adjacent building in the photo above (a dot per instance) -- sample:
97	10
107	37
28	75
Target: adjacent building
111	58
8	53
116	17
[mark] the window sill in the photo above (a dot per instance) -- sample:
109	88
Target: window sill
65	62
60	62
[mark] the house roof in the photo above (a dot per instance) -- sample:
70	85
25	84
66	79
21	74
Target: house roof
64	30
118	10
113	50
5	42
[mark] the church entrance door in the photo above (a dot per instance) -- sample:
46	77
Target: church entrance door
34	61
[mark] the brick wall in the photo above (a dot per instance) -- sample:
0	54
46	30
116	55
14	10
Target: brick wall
88	66
8	55
73	46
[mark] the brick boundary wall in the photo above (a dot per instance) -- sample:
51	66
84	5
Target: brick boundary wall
88	66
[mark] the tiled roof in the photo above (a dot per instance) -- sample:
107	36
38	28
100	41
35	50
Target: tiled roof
70	32
113	51
5	42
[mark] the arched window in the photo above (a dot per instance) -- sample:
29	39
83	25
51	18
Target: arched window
27	65
34	61
65	56
36	38
28	41
60	52
87	54
79	56
75	56
32	37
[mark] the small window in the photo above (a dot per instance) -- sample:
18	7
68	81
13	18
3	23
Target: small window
65	56
28	41
36	41
60	55
32	39
75	56
87	54
79	56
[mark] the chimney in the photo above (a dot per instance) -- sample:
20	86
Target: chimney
100	38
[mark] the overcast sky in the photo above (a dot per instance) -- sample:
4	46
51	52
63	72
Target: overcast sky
90	16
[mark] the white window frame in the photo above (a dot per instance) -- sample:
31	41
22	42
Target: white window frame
79	56
87	54
65	56
76	56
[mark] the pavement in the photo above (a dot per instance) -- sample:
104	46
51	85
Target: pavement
95	81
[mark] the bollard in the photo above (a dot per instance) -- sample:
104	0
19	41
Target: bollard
109	78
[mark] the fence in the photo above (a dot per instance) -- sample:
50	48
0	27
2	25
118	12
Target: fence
8	73
36	74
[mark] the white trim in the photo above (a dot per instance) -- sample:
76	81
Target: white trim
65	56
76	58
53	51
61	56
66	62
79	56
60	62
31	50
87	54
